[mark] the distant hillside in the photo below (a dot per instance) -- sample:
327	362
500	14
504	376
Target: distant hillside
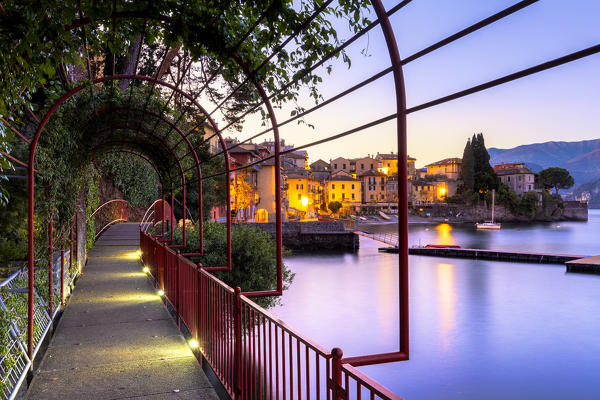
582	158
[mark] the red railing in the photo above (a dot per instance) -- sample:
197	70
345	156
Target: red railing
254	354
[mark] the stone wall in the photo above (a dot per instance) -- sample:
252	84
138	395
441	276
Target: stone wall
568	211
313	235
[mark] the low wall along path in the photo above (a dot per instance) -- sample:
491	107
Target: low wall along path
115	339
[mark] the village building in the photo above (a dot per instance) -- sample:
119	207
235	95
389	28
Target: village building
516	176
374	186
303	194
448	167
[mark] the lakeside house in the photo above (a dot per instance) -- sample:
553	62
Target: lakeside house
516	176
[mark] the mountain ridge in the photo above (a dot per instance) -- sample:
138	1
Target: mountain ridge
580	158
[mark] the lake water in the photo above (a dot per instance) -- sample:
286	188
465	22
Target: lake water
479	329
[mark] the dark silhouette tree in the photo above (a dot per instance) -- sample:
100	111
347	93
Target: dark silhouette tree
334	206
468	164
555	177
484	178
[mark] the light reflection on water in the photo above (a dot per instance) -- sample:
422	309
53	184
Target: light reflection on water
479	329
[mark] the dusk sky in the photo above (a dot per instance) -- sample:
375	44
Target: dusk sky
562	104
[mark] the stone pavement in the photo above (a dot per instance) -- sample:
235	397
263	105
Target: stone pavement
115	339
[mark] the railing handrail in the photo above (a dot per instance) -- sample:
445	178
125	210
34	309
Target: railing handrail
306	340
369	383
234	334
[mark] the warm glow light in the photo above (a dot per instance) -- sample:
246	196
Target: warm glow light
384	170
193	344
161	293
442	191
139	253
146	269
304	201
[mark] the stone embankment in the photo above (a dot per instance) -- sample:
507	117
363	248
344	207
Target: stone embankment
314	235
567	211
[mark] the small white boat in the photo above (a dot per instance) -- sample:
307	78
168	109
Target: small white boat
384	216
490	225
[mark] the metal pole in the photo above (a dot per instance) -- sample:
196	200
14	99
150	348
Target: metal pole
336	373
237	366
62	273
71	254
77	237
50	266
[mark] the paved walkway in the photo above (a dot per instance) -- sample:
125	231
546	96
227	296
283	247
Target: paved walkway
115	339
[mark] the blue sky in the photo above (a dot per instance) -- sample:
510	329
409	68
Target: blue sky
562	104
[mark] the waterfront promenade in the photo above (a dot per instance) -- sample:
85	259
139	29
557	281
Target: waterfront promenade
115	339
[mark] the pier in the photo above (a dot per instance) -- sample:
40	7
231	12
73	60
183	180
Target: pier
517	256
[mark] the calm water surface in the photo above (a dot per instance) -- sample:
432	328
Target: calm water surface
479	329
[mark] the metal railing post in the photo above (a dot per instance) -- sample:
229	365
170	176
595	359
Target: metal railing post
50	267
71	254
62	273
237	361
178	289
338	392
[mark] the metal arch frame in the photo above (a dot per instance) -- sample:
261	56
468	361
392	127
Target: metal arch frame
31	179
278	218
166	145
403	352
175	128
106	203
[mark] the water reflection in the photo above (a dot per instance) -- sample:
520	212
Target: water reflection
479	329
444	235
446	294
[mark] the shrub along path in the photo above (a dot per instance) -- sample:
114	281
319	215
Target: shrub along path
115	339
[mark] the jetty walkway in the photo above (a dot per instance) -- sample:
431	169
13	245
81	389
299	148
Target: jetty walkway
115	339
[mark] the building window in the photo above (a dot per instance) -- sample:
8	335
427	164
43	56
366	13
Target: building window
371	180
371	197
353	186
371	166
333	185
508	178
302	186
334	166
344	166
332	196
382	180
297	186
343	196
343	186
352	196
362	166
299	196
382	187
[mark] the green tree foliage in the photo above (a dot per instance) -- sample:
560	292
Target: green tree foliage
555	177
484	177
133	176
468	168
334	206
35	45
253	257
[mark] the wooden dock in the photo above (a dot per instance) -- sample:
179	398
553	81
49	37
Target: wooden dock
496	255
590	265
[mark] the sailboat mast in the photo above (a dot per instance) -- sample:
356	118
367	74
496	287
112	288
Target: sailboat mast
493	200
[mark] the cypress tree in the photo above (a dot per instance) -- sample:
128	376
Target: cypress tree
468	170
484	176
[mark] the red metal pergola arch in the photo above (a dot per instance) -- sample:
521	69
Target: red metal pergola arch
192	151
173	154
386	27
